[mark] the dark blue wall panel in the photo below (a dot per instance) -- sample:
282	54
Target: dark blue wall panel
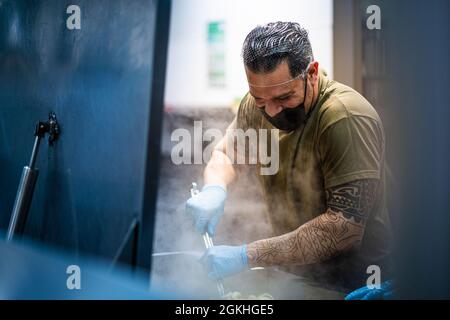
417	52
98	81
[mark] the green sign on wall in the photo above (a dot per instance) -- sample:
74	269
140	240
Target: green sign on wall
216	54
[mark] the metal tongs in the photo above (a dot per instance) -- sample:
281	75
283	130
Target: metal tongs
208	241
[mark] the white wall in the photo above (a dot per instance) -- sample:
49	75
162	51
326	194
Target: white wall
187	77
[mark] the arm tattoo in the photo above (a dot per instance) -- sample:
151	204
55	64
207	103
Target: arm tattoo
354	199
337	230
317	240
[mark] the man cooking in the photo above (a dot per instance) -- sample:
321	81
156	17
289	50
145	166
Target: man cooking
327	201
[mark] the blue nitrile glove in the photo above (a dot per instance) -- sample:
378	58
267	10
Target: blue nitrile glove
207	208
224	261
385	292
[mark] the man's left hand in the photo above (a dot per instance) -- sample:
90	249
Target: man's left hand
224	261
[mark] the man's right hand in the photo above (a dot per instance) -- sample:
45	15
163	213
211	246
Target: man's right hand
207	208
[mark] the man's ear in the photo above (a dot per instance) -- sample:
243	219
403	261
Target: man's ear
313	71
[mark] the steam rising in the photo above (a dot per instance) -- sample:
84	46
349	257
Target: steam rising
245	217
245	220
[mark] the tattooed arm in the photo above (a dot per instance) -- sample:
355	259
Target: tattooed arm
339	229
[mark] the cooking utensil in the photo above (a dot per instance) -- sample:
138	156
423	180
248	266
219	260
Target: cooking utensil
176	253
208	242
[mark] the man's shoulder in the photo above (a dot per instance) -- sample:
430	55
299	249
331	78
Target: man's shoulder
343	102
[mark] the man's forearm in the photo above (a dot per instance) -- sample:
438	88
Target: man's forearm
219	169
337	230
317	240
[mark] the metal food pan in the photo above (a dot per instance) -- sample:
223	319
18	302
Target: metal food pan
183	274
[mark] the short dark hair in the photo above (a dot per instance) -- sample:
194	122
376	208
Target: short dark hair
265	47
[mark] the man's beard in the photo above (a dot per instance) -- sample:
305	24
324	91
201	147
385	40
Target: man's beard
288	119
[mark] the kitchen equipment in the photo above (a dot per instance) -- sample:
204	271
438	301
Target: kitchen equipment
175	253
29	177
180	274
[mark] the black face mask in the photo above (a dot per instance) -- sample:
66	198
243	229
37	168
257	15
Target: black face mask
288	119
